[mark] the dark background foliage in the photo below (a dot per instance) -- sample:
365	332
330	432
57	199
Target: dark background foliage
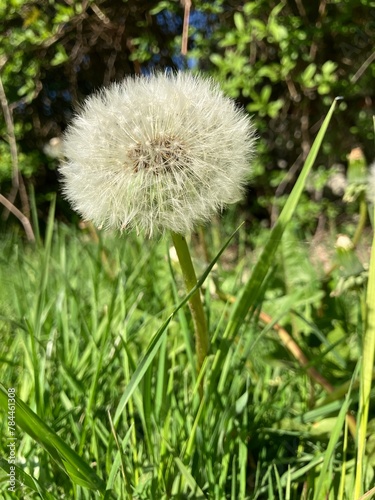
283	61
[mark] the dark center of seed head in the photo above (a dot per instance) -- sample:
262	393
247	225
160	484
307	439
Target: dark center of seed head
158	155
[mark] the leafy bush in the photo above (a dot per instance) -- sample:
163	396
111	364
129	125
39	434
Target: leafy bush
284	61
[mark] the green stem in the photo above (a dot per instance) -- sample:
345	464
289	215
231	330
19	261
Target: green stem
195	303
362	219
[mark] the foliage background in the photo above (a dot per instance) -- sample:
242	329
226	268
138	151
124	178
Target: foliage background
283	61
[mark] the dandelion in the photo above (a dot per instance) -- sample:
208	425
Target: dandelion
155	153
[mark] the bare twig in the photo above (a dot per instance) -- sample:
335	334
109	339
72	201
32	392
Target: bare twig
20	216
297	352
318	25
18	185
301	9
299	355
11	135
363	68
100	14
136	63
112	58
292	89
368	495
185	30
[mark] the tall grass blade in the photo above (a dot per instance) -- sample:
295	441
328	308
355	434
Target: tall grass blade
324	476
64	456
198	493
158	338
25	479
368	350
35	326
250	292
118	462
34	214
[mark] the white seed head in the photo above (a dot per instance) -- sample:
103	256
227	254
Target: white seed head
165	151
344	243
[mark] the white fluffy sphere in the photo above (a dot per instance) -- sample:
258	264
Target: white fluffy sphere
157	152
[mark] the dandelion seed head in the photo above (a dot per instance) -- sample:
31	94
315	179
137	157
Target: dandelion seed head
166	151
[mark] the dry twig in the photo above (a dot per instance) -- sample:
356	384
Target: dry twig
18	185
20	216
185	30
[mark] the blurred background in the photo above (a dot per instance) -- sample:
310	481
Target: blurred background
284	62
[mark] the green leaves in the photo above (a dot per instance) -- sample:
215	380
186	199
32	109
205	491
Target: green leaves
263	105
239	21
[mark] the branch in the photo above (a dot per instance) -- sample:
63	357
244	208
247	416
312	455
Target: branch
363	68
185	29
11	135
20	216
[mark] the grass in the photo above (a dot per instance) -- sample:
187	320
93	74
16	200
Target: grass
97	344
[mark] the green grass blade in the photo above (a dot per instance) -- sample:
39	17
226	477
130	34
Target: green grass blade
65	457
142	368
278	482
233	492
99	364
35	326
158	338
341	493
368	350
183	323
161	380
250	292
198	493
25	479
117	462
192	437
329	454
34	214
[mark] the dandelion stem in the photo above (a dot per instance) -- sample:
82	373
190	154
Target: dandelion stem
195	303
362	219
